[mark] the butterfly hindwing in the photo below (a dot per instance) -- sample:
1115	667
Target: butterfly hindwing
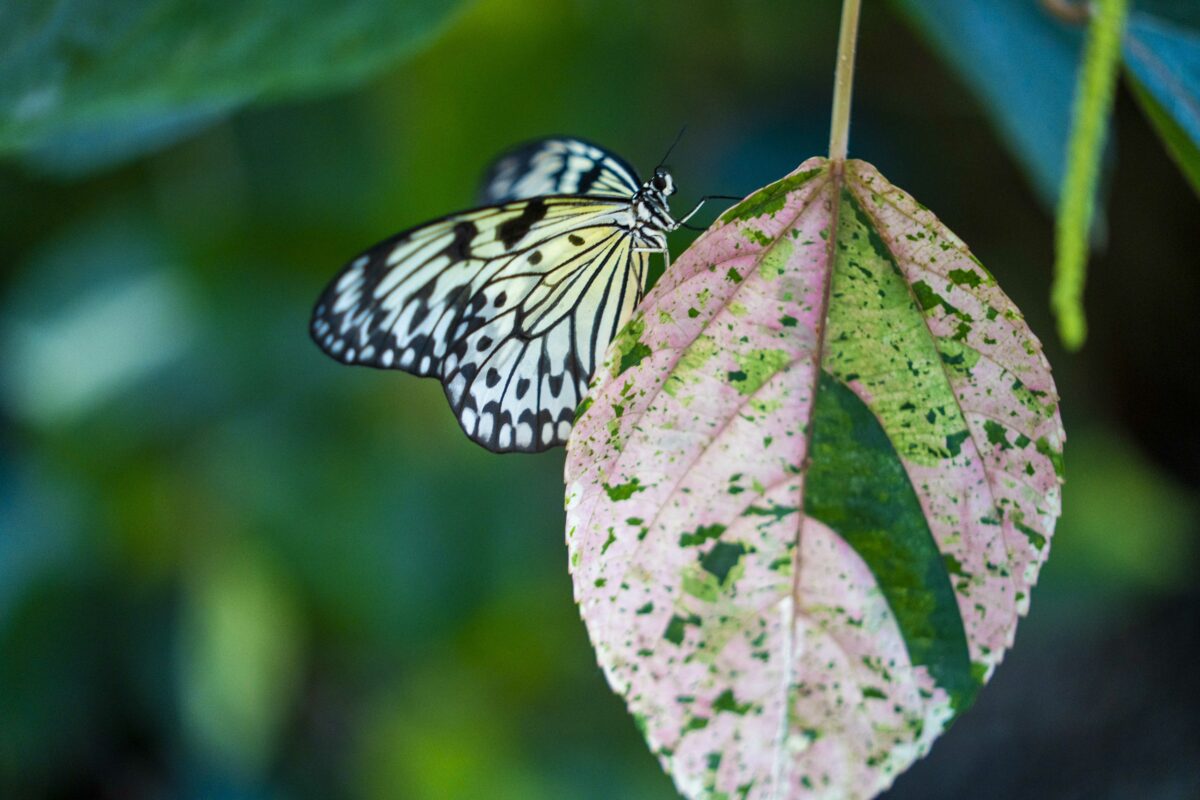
509	305
558	165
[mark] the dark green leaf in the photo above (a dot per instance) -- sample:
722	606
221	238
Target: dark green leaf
135	75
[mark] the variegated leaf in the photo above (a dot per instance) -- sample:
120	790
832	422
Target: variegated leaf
811	490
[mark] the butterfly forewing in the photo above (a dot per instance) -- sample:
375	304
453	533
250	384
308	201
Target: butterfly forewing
558	165
509	305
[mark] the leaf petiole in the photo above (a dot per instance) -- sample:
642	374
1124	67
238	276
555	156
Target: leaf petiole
843	82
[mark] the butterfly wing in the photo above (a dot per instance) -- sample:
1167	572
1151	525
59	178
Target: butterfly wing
510	306
558	165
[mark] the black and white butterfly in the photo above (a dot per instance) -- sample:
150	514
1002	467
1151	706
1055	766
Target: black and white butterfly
511	304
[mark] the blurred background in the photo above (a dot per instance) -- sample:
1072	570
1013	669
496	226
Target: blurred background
231	568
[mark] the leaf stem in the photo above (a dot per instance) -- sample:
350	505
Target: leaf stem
1094	90
843	82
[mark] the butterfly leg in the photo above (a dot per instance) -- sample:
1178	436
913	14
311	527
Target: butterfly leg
666	254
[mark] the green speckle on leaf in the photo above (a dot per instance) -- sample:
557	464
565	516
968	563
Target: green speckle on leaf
633	356
756	368
997	434
725	701
624	491
957	355
965	277
1055	456
756	235
928	298
675	629
1036	539
954	442
722	558
701	535
776	511
628	343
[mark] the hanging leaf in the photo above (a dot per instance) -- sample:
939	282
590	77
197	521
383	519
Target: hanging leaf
86	84
1163	61
1020	62
811	490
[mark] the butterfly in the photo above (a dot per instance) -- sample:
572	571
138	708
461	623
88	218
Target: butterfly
511	304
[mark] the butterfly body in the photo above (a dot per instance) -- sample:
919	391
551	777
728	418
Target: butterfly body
511	305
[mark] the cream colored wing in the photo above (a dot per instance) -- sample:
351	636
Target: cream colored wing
510	306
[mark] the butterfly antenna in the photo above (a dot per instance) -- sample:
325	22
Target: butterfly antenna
678	136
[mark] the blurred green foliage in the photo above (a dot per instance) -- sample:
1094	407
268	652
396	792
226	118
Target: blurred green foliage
232	568
88	82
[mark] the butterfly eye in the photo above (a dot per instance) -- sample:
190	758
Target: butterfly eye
660	182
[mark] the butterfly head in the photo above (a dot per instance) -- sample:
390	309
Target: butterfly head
652	197
662	182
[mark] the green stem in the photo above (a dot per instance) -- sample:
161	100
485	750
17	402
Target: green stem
843	82
1076	206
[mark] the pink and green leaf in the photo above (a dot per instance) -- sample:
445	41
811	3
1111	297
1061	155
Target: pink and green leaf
811	491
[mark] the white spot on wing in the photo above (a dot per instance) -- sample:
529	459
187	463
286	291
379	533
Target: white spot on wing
345	301
352	276
524	434
456	386
486	421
